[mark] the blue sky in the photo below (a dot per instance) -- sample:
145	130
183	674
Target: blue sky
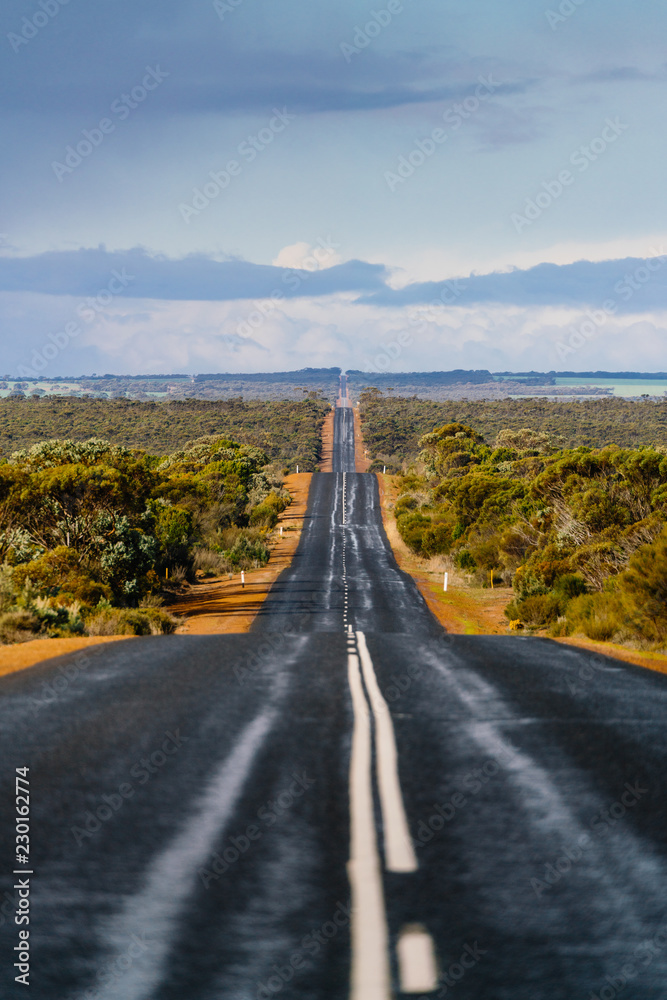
398	186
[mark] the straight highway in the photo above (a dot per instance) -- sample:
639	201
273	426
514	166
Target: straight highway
347	802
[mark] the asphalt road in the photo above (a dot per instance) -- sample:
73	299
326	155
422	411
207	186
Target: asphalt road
345	801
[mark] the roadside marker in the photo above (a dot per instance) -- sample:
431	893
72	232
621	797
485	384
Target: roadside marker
444	586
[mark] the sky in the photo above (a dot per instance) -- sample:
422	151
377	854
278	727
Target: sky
244	185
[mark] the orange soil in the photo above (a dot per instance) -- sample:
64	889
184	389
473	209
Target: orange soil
26	654
219	605
361	463
326	462
479	611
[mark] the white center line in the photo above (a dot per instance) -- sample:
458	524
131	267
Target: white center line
418	969
399	852
370	978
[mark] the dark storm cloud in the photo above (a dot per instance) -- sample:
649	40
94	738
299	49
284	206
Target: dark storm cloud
136	274
633	284
86	56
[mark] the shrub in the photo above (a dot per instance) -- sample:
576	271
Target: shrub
131	621
535	611
265	514
465	560
601	617
411	527
644	584
248	551
570	585
19	626
209	562
561	627
59	572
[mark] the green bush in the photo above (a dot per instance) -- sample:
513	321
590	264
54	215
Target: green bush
644	585
601	617
265	514
464	560
131	621
19	626
248	552
536	611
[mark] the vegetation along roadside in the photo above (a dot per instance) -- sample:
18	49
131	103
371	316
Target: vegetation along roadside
96	537
573	541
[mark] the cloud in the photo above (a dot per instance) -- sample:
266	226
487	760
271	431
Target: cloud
635	285
306	257
137	274
234	66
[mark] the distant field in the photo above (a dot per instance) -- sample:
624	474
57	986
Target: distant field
289	432
263	385
620	387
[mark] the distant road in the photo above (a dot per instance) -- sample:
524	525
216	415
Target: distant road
344	802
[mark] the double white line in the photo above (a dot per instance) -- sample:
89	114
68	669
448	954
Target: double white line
371	971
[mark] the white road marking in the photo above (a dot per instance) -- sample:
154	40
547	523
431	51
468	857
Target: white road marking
399	852
172	876
370	979
344	488
417	966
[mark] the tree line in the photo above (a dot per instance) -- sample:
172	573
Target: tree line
93	535
288	432
393	427
580	533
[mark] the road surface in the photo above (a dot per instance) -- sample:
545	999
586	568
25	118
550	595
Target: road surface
346	802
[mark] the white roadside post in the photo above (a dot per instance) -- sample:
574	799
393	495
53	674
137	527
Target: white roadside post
242	578
444	585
